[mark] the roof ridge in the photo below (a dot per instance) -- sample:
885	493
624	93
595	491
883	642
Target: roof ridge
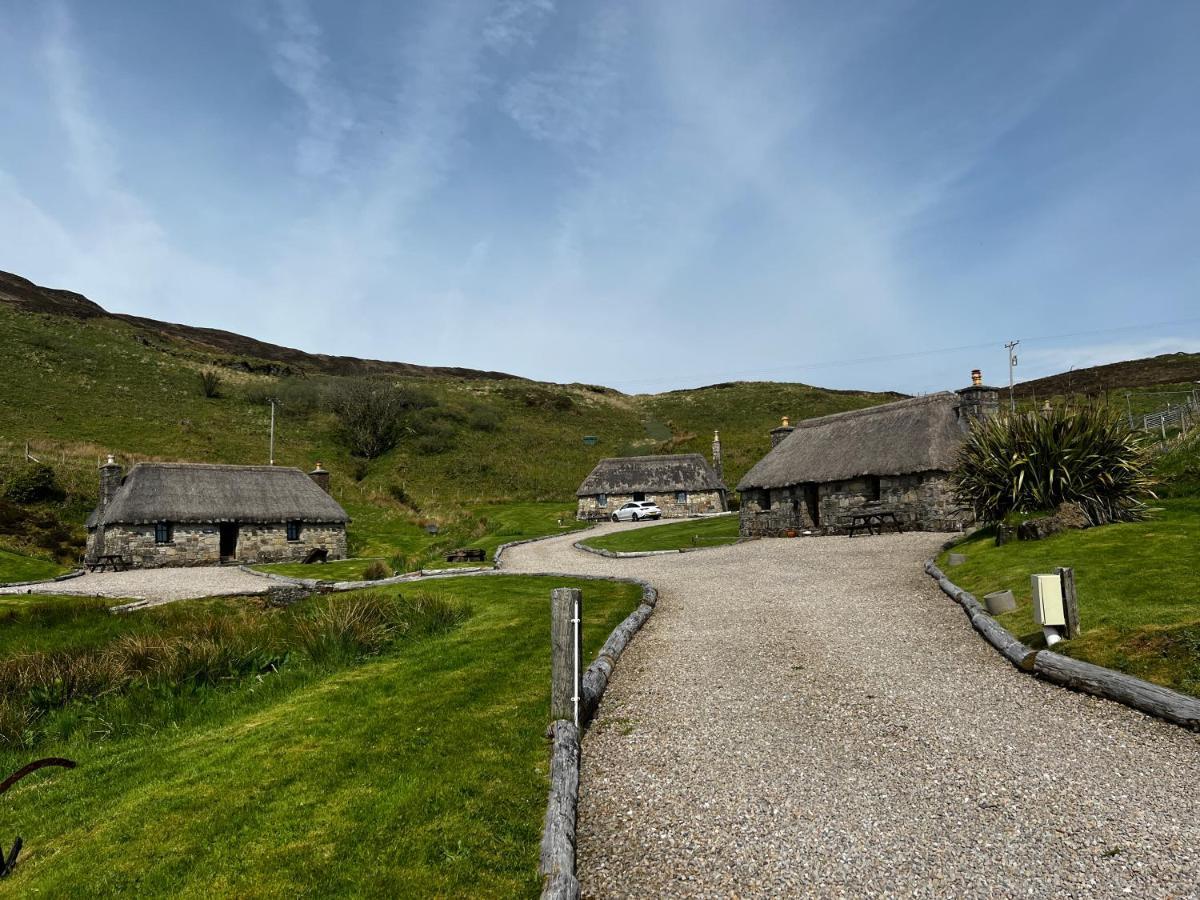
650	456
940	396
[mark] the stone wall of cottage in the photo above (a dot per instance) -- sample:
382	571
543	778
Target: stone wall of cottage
922	501
693	503
200	544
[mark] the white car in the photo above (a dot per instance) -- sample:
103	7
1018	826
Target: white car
635	510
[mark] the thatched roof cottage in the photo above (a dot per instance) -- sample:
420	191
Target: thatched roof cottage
682	484
896	456
190	514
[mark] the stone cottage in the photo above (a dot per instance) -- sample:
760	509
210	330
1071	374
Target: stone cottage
682	484
189	514
897	456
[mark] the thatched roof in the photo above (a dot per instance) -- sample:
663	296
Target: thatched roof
918	435
191	492
673	472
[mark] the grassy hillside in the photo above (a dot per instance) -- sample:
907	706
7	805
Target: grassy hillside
79	387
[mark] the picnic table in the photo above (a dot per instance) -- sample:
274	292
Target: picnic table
872	521
467	554
106	560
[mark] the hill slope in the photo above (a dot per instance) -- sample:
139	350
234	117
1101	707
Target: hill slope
1169	368
82	383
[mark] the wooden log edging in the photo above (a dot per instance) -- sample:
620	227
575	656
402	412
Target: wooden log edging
556	864
1087	678
560	880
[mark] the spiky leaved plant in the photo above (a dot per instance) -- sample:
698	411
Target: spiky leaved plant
1032	461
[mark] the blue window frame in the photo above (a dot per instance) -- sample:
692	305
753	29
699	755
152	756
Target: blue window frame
162	532
681	496
293	531
602	499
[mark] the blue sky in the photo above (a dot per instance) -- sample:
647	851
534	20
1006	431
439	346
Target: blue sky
646	195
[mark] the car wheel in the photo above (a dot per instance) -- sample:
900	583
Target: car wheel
616	518
635	517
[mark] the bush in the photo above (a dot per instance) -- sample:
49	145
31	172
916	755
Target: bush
373	414
210	383
484	418
375	570
297	396
1038	460
436	436
33	482
401	495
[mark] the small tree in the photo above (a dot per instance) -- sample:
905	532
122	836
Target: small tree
374	414
210	383
1035	461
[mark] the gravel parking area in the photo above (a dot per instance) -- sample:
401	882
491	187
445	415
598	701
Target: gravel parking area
814	717
154	585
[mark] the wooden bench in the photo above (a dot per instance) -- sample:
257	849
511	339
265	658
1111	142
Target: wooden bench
872	521
467	554
115	561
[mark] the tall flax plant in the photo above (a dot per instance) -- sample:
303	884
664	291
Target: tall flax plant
1032	461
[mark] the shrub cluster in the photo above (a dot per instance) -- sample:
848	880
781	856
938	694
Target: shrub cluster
1038	460
374	414
33	482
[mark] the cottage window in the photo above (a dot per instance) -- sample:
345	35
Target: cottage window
764	501
293	531
638	496
681	496
602	499
162	532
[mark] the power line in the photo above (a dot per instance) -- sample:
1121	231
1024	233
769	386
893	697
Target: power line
842	363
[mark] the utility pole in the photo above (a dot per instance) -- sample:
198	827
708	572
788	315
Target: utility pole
272	451
1011	347
1129	409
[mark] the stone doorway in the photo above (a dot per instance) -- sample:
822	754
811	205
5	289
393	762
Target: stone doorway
229	541
813	503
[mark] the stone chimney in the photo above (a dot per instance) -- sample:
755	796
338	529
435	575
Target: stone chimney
321	477
110	479
778	434
978	401
718	464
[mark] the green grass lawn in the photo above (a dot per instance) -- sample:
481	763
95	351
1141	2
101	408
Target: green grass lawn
15	567
337	570
689	533
421	771
1138	587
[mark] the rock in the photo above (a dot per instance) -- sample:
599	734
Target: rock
287	594
1000	602
1066	517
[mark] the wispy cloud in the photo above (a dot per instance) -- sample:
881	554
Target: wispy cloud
294	41
572	103
516	23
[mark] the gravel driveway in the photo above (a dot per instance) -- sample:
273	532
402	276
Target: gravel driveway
814	717
155	585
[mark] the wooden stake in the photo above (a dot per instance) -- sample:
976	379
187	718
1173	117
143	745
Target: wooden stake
566	653
1070	603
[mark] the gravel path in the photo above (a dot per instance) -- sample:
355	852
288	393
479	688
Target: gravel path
814	717
155	585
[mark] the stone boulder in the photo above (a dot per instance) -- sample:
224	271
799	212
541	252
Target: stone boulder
1068	516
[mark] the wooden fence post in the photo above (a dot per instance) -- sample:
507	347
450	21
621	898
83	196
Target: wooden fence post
1066	576
566	652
